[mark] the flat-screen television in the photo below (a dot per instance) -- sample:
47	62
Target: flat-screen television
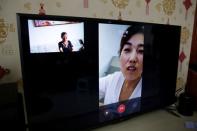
82	73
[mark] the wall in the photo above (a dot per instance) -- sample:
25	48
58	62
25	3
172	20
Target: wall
155	11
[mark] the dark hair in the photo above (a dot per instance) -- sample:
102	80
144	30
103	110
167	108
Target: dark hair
62	34
129	32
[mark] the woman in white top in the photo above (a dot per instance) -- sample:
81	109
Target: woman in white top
127	83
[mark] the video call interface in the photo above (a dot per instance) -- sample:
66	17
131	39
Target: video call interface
46	36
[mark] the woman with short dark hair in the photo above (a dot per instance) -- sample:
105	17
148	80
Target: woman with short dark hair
65	45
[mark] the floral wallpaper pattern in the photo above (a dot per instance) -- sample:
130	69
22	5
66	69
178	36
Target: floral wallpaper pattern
174	12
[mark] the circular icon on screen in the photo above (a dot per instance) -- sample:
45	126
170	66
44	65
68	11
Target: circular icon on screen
106	113
121	108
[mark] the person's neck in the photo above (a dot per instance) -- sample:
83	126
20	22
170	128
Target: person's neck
131	83
127	89
65	41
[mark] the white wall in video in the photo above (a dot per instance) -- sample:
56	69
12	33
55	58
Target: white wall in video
109	44
45	39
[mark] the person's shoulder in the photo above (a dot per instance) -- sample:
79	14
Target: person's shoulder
59	42
115	75
118	75
69	42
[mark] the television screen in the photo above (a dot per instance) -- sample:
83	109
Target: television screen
81	73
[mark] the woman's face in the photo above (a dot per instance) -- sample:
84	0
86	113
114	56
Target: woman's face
65	37
131	57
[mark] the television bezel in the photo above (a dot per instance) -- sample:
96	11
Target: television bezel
22	19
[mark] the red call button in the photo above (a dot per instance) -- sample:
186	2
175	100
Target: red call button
121	108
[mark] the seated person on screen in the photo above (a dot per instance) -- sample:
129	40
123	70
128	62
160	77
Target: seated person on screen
65	45
82	45
127	83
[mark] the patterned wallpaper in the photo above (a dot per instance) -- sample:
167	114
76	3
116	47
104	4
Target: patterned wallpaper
174	12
